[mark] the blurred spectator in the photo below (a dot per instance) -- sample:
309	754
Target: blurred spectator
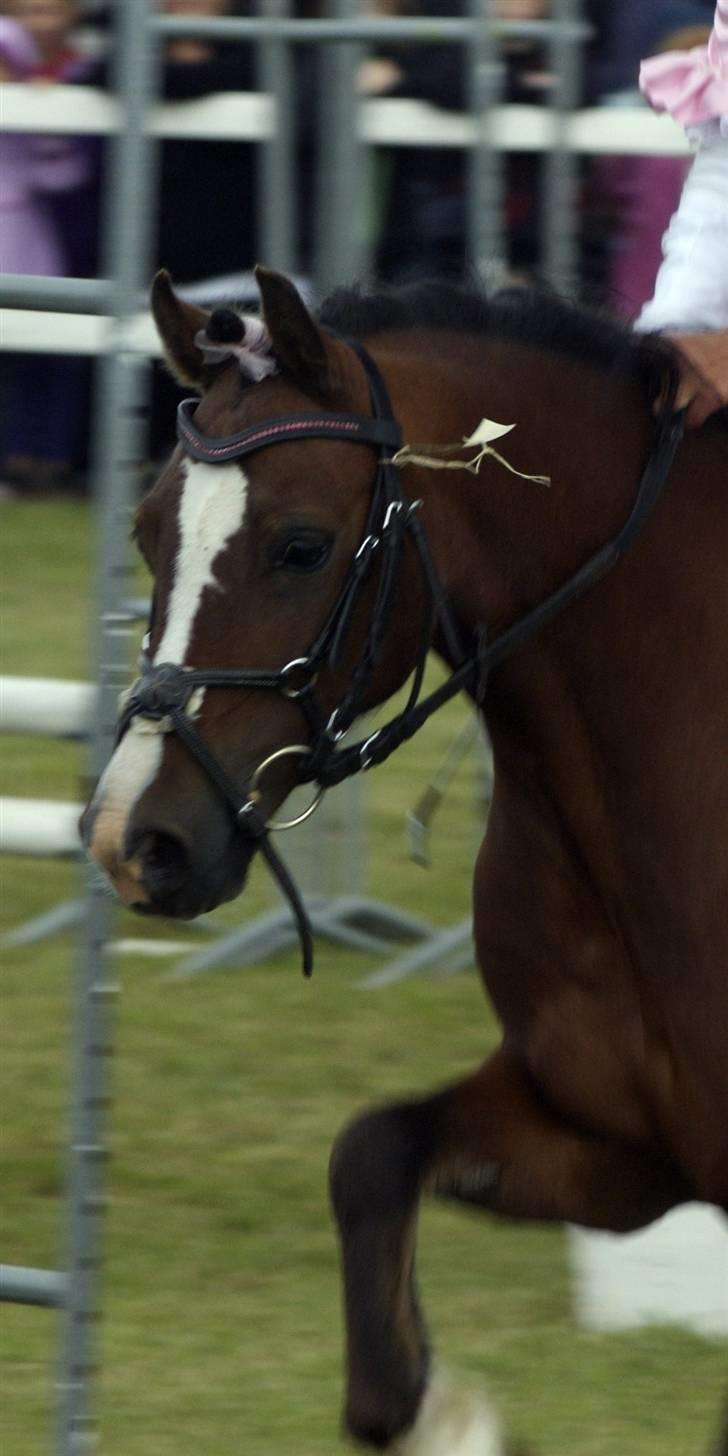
421	190
625	31
207	189
626	202
53	25
42	405
425	220
206	196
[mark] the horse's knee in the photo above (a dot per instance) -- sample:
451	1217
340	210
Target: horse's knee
377	1163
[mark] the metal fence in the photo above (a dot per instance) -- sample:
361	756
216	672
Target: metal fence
346	131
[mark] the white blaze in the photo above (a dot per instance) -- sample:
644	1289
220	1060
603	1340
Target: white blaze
211	511
129	772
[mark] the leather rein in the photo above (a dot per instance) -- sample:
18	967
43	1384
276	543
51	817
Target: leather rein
162	691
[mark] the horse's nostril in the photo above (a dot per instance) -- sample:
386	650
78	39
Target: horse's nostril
164	860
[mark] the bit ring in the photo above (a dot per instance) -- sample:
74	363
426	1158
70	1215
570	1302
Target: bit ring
254	790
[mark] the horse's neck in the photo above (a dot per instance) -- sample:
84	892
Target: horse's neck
505	542
509	542
609	728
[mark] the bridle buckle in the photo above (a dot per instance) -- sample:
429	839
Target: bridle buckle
297	665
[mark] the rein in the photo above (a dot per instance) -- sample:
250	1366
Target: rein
162	692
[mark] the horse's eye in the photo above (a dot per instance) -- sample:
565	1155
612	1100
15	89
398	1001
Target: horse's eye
306	551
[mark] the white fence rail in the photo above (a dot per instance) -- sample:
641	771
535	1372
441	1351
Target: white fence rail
28	331
250	116
47	708
42	828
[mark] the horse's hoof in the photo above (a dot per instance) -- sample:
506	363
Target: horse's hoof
378	1424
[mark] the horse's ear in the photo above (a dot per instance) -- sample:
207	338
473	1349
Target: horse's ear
177	323
298	343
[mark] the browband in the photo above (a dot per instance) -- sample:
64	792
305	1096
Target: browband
217	449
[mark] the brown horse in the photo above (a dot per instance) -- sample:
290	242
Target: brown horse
300	587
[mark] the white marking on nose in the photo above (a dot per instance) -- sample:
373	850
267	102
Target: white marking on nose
131	770
211	510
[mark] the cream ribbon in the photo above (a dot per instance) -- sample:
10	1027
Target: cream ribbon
254	353
434	457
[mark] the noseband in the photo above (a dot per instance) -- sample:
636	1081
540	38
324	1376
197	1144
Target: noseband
162	692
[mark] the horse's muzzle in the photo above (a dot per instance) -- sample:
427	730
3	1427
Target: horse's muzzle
161	864
180	877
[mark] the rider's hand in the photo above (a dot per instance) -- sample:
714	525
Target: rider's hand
703	387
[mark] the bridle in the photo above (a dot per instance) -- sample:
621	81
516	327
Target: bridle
162	692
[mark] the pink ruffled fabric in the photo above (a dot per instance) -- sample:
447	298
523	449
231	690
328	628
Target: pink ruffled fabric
691	85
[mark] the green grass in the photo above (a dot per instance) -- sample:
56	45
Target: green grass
221	1328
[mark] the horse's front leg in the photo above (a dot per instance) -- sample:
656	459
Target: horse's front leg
490	1141
377	1170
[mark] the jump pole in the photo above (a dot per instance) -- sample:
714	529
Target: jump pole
117	450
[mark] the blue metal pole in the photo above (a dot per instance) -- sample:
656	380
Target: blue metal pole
116	451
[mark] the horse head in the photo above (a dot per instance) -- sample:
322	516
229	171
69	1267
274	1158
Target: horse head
263	597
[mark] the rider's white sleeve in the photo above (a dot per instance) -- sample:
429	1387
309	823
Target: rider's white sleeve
691	292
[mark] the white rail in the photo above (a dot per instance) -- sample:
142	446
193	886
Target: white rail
45	706
251	116
49	708
45	829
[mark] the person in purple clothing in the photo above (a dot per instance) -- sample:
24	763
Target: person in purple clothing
76	211
37	428
30	168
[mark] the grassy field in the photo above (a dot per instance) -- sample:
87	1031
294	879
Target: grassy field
221	1328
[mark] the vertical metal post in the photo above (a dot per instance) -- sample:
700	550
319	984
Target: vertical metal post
316	852
559	218
341	186
116	453
486	248
276	185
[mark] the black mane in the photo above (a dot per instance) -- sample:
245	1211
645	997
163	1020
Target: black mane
527	315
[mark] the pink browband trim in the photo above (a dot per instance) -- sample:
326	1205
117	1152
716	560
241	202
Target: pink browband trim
246	442
274	430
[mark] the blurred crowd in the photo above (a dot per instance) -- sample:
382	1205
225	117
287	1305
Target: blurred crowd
207	220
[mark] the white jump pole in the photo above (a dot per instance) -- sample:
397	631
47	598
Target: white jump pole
48	707
46	829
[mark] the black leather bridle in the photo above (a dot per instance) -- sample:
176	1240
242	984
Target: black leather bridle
162	692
